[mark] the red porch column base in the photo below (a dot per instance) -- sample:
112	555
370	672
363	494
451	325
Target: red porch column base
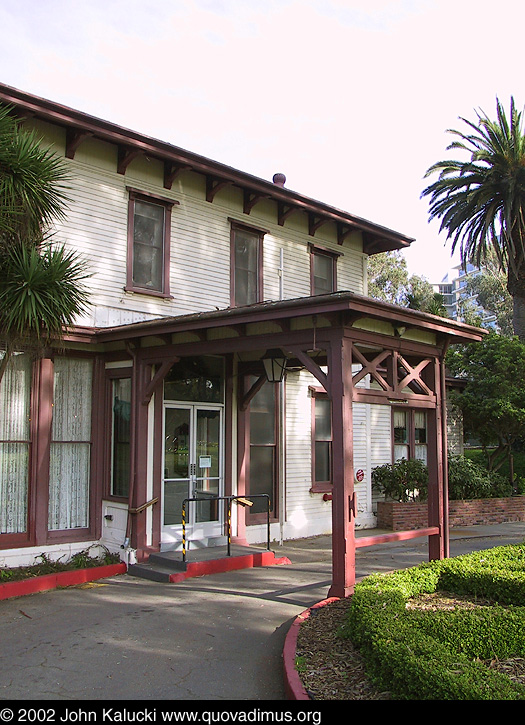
340	592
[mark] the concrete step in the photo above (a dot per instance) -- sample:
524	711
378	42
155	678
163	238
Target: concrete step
168	566
152	572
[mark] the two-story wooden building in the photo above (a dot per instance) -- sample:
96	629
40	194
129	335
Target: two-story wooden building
203	277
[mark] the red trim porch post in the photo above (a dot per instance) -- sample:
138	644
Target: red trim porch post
139	456
343	514
437	503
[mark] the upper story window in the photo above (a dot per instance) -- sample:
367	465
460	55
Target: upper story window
323	270
149	224
246	277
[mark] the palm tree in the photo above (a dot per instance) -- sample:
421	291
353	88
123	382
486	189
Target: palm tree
481	200
41	285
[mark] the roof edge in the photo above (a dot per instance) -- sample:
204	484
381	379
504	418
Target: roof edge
381	238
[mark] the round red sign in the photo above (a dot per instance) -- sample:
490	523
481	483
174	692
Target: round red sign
360	475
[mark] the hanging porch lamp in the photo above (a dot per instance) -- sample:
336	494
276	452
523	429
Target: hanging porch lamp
274	365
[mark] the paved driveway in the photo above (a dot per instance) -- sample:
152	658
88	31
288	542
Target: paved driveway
214	638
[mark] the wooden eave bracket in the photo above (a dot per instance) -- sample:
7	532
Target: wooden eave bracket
74	138
125	157
245	402
314	223
157	379
283	212
344	230
172	171
213	186
250	200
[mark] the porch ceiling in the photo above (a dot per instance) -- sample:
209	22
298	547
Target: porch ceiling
287	320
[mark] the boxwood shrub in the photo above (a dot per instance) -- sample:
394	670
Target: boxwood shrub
437	655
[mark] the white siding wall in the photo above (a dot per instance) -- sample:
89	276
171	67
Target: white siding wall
381	439
96	226
200	238
306	513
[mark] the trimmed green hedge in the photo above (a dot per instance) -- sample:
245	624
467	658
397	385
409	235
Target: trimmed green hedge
435	655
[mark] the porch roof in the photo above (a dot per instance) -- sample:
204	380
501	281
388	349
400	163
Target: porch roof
346	307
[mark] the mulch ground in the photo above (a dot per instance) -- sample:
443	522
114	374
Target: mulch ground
332	669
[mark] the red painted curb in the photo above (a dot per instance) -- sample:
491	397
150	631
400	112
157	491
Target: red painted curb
293	685
61	579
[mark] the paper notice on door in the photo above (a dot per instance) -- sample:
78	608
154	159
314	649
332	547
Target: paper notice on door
204	461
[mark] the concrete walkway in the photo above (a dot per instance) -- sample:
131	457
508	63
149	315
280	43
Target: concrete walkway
214	638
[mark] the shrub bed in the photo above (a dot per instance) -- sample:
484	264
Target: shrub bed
91	557
421	655
407	481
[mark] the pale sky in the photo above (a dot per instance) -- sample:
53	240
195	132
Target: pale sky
350	99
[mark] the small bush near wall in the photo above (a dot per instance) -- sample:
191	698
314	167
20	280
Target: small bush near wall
475	495
408	480
402	481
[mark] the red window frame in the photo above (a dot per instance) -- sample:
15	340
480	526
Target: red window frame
316	252
167	204
319	486
259	234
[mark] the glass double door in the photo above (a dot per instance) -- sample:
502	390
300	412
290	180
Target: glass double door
192	470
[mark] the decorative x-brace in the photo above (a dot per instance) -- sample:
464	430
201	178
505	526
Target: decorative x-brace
395	376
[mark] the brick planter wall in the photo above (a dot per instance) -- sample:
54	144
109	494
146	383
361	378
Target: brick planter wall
396	516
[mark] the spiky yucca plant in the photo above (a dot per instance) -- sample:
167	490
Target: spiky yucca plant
33	182
41	285
42	290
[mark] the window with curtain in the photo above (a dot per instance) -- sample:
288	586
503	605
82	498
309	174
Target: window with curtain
410	434
15	415
420	436
401	447
323	273
148	246
70	453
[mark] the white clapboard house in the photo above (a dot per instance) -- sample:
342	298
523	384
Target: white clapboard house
160	411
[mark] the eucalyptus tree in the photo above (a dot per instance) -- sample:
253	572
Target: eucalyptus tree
480	200
41	284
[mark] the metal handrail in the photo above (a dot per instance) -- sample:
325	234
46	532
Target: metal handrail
230	500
